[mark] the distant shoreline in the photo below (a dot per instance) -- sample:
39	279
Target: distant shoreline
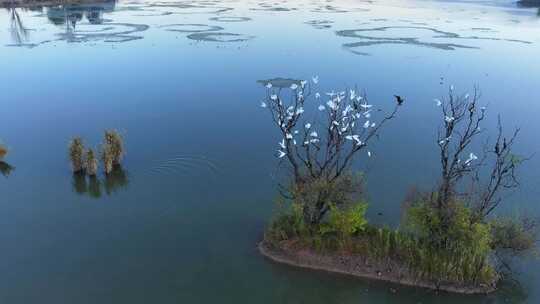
38	3
359	267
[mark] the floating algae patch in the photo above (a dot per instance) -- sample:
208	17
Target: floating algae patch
279	82
367	39
320	24
108	35
184	8
219	37
230	19
191	28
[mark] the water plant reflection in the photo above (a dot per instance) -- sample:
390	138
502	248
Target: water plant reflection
94	186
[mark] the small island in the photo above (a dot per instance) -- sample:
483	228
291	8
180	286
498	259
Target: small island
449	239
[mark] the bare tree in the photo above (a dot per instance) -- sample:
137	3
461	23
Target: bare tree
462	126
321	150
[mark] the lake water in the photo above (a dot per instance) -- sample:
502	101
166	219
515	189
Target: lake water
179	78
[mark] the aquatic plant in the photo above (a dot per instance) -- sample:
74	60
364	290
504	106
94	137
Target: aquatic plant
114	144
76	155
107	157
91	162
319	152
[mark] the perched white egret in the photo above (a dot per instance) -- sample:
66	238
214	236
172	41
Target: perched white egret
288	136
472	157
451	87
313	134
332	105
282	144
367	114
317	95
307	126
352	94
449	119
299	111
369	153
359	98
373	125
314	140
315	79
263	104
303	83
466	96
335	123
438	102
366	124
281	154
295	131
294	86
273	97
365	106
321	108
294	142
269	85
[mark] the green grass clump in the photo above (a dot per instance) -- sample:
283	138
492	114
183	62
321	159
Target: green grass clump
76	155
460	256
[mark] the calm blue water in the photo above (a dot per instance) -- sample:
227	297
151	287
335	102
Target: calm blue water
180	225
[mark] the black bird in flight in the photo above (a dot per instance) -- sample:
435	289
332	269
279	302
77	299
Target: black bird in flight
399	99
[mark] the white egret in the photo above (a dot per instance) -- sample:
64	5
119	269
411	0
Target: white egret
273	97
449	119
282	144
365	106
269	85
299	111
313	134
366	124
263	104
288	136
308	125
321	108
369	153
373	125
317	95
438	102
281	154
303	83
294	86
315	79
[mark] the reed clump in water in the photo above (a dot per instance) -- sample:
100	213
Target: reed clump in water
76	155
114	144
91	162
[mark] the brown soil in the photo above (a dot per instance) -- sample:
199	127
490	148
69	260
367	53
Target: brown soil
287	252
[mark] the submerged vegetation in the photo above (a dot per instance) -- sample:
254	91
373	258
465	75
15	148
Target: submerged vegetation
448	238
